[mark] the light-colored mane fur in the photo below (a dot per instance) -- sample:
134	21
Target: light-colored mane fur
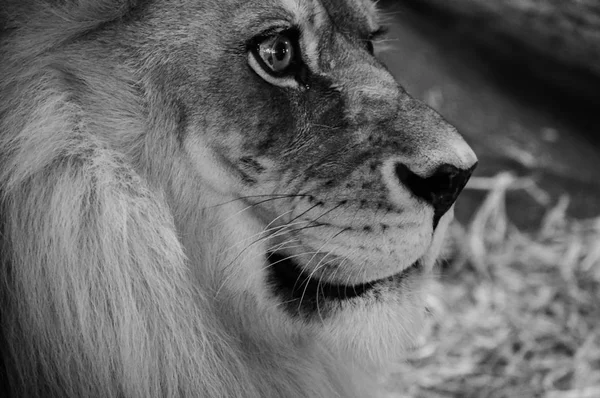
102	294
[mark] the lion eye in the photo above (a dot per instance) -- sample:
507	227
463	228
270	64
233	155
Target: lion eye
276	57
276	52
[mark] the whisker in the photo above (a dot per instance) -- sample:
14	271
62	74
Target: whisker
319	285
285	229
279	231
289	258
249	207
260	239
315	219
304	212
286	225
270	196
315	270
282	245
345	259
227	278
305	227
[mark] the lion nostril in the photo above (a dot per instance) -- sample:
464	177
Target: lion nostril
440	189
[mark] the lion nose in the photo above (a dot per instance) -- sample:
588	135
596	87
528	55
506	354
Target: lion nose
440	189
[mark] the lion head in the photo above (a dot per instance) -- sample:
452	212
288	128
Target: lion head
212	198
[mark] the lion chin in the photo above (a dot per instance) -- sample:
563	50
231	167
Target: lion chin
212	199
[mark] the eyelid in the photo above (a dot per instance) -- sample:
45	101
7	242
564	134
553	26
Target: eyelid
380	32
264	34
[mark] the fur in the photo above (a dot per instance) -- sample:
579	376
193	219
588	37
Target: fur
129	265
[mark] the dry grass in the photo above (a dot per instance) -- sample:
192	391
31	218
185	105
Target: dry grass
515	314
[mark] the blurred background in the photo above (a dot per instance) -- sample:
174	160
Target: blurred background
515	311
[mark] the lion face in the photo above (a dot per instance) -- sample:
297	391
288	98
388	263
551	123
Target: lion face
351	179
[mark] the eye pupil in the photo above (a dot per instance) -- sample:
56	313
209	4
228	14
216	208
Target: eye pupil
281	50
277	53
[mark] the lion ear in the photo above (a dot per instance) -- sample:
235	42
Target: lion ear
98	300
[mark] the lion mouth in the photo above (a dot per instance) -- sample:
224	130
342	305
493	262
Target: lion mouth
305	293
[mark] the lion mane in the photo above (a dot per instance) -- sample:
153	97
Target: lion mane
97	299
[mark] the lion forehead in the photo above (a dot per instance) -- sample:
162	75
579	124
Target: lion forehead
346	14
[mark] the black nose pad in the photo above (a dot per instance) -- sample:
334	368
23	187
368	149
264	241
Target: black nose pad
440	189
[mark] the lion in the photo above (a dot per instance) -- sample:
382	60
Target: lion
226	198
